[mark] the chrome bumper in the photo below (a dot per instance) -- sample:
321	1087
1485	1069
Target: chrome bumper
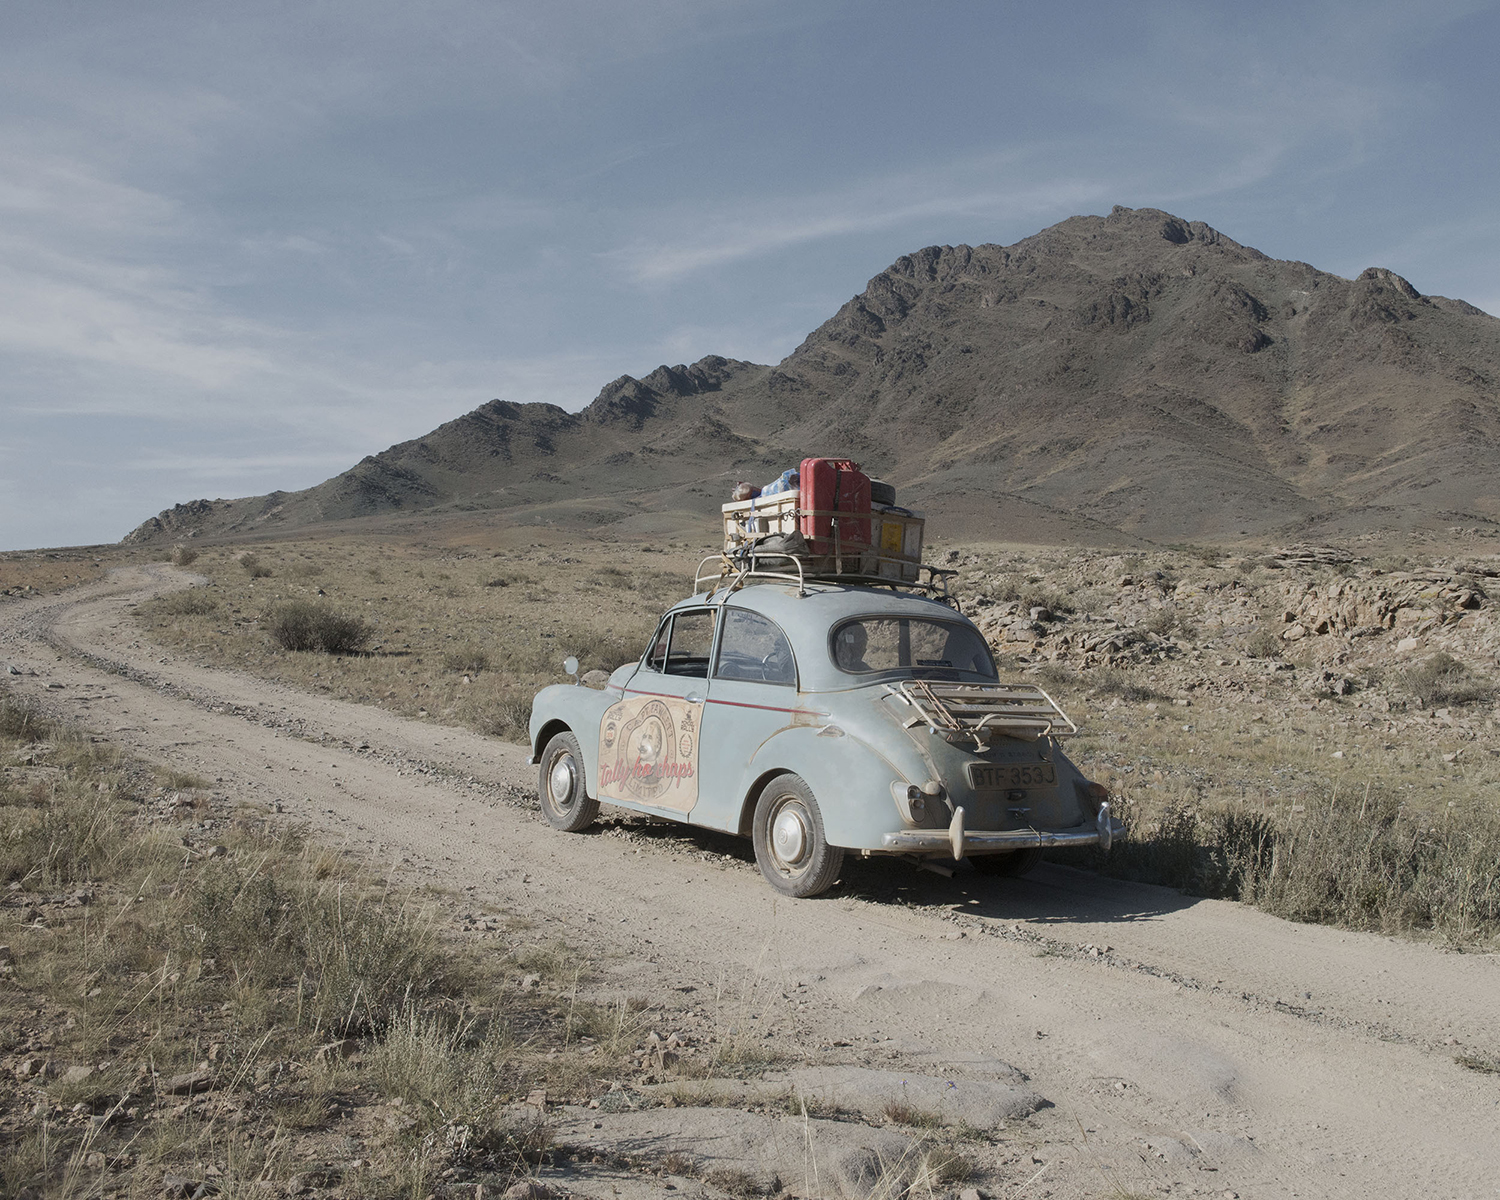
959	841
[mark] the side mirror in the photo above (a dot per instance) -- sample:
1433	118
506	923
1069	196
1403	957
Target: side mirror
570	665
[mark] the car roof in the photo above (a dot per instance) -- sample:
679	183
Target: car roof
807	617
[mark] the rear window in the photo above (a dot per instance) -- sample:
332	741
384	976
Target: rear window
915	647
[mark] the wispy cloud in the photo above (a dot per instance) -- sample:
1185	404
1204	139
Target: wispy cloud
773	223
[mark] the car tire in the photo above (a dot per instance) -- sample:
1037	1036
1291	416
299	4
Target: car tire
1012	864
790	847
566	803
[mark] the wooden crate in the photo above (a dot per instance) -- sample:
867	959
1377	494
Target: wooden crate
746	519
898	544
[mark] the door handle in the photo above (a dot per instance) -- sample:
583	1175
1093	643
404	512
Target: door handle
693	699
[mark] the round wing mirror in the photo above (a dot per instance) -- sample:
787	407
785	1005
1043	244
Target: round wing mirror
570	665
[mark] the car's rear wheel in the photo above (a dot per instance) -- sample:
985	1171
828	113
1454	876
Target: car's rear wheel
790	848
1012	863
566	803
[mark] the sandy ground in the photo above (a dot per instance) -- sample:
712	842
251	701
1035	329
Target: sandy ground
1184	1046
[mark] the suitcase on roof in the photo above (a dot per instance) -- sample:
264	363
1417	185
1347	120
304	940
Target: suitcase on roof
835	501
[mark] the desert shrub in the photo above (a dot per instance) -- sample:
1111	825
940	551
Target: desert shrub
303	625
66	841
252	565
357	958
19	723
1361	863
1121	682
183	556
1443	680
1380	866
368	956
1265	642
194	602
1055	675
467	660
1163	848
509	717
1166	620
1032	593
450	1065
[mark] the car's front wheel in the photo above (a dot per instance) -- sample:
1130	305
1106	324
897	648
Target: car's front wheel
566	803
1011	863
790	847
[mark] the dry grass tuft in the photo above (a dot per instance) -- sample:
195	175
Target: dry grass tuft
193	602
1265	642
1442	680
466	660
1362	862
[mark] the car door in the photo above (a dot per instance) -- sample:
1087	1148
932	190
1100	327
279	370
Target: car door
649	740
752	695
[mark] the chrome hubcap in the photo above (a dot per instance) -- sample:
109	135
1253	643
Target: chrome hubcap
789	835
561	781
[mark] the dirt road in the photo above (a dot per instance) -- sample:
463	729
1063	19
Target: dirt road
1185	1046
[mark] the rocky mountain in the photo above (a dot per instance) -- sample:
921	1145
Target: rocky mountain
1135	376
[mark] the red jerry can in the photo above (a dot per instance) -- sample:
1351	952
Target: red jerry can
835	489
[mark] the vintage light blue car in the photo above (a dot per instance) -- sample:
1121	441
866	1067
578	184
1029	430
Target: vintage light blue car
820	719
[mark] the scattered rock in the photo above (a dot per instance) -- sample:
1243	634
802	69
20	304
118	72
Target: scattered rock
178	1187
526	1189
35	1068
338	1051
188	1083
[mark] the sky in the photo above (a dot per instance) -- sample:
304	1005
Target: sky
243	245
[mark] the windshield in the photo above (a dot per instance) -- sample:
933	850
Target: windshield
917	648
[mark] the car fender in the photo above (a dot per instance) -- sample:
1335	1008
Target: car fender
579	709
849	779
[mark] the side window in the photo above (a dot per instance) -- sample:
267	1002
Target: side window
754	648
692	642
656	657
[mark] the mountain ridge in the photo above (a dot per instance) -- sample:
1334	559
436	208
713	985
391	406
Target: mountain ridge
1136	373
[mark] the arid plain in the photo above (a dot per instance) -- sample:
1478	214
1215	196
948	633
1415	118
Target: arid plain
640	1010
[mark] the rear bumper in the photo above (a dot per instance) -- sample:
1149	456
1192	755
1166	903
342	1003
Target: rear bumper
959	841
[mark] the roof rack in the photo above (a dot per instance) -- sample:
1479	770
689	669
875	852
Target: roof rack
748	565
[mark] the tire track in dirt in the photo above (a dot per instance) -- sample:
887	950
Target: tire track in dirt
1209	1048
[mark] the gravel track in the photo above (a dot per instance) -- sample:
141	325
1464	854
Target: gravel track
1186	1046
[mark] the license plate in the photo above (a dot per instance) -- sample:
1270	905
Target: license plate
1003	776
